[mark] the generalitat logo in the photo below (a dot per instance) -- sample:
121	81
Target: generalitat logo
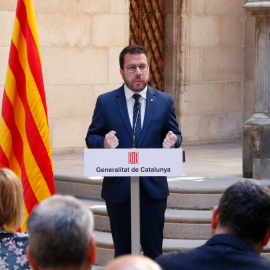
133	157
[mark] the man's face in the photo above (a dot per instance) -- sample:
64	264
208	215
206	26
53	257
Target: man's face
138	80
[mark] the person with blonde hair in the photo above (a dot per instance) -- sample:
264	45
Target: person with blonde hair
12	245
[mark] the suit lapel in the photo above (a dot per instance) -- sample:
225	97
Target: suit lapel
122	106
150	104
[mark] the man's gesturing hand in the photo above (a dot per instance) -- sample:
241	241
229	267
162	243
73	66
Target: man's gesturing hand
111	140
169	140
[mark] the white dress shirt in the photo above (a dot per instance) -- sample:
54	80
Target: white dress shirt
130	103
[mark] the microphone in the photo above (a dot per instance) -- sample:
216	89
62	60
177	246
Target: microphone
134	141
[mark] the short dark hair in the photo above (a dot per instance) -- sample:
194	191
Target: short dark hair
133	49
244	209
60	230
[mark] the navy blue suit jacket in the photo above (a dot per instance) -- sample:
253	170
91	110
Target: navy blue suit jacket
111	114
221	252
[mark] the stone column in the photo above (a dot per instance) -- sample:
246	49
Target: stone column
256	131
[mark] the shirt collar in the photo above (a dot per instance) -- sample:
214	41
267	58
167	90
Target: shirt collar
129	93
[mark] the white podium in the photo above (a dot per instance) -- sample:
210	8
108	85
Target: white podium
133	162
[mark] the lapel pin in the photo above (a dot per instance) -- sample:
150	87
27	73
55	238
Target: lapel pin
151	99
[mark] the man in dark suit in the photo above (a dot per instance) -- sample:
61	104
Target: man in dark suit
135	115
241	228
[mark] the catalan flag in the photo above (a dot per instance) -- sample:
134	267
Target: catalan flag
24	134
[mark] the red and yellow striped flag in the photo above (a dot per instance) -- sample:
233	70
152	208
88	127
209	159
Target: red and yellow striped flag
24	134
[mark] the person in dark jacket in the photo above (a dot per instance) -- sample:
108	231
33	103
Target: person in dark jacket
135	115
241	228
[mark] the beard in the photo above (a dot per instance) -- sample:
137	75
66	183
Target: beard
136	84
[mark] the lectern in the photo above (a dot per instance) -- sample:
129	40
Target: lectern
133	162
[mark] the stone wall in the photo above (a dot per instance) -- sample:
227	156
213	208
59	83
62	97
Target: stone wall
249	67
217	56
80	41
209	63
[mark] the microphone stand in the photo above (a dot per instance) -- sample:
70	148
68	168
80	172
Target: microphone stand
135	202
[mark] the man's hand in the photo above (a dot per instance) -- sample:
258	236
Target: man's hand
111	140
169	140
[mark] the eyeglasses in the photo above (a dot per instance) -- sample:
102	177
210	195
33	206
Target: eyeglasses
133	68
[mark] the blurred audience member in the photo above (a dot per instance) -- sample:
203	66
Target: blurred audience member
132	262
61	235
241	228
12	245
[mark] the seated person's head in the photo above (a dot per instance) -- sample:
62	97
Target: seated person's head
244	211
132	262
11	200
61	234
